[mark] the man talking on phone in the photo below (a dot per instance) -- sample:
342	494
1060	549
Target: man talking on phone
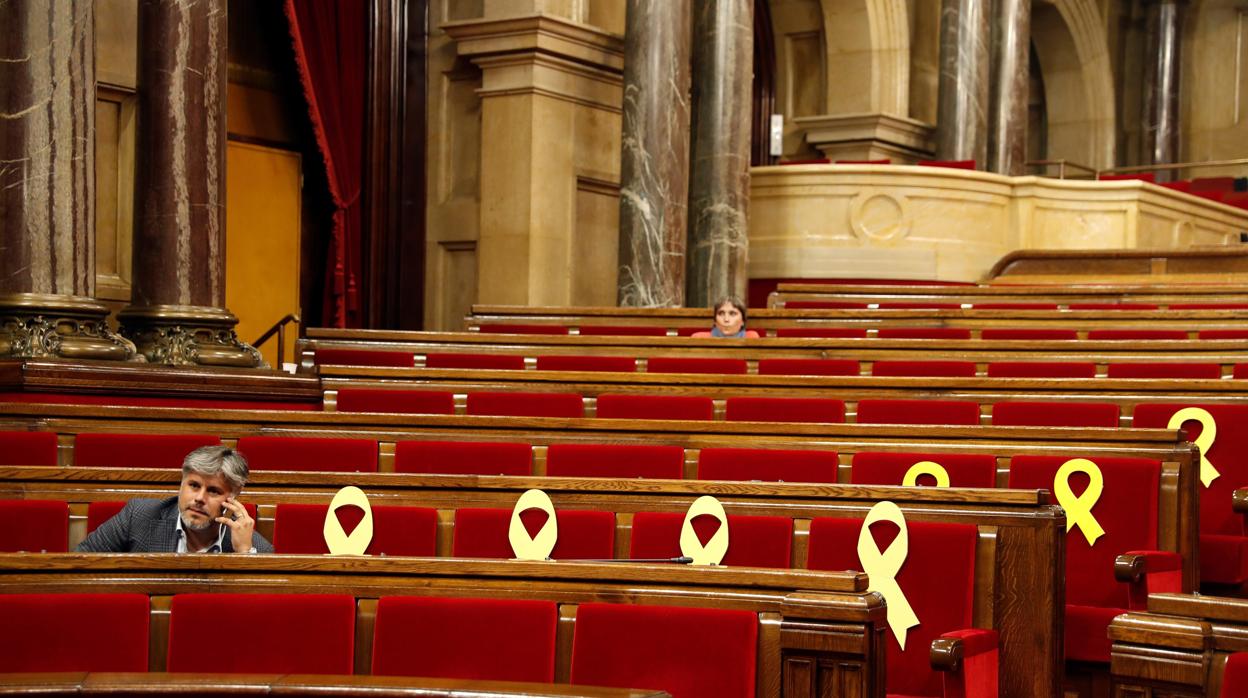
205	516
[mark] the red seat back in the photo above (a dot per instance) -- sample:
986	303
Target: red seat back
954	164
1054	414
306	453
299	529
463	458
655	407
1113	306
823	332
74	632
784	409
583	535
696	364
33	526
1041	369
1235	675
1164	370
27	448
612	460
753	541
517	404
948	412
767	465
285	633
954	369
937	551
615	364
396	401
512	328
818	305
623	331
965	470
506	362
478	639
1015	306
688	652
923	333
1129	334
137	450
365	357
1028	333
808	367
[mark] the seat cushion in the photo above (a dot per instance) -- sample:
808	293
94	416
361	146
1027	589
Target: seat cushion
753	541
784	409
768	465
1087	632
74	632
1223	558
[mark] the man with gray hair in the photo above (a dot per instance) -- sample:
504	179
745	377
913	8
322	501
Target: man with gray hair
205	516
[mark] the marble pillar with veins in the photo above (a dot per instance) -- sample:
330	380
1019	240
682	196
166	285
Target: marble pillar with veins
654	167
719	190
962	105
1011	81
1164	36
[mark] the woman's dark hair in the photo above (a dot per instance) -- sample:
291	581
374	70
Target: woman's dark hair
734	302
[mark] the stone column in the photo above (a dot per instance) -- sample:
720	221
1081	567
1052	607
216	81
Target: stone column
719	196
177	313
1160	139
654	168
1011	79
47	184
962	107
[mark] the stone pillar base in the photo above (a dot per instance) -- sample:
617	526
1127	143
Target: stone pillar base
36	325
180	335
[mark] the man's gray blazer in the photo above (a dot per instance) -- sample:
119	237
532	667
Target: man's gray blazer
149	526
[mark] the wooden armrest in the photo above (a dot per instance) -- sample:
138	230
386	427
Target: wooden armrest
1130	568
1239	501
949	650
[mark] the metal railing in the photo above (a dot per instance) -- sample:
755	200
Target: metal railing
1096	172
279	328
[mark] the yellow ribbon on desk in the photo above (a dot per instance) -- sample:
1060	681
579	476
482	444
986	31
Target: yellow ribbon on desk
926	467
1079	509
717	547
336	539
539	547
882	568
1208	432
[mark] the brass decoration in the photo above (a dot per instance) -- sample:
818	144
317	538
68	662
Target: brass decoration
34	325
174	335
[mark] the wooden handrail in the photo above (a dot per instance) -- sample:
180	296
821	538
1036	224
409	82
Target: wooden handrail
280	329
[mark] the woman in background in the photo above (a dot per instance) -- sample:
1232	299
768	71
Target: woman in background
730	315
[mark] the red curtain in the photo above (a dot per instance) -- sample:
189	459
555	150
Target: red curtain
330	40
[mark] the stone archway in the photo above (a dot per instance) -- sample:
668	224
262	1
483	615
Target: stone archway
868	56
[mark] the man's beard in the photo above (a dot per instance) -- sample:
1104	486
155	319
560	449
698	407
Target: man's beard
188	522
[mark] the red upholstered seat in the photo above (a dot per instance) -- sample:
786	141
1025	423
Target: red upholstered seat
1022	333
1211	306
401	401
506	362
463	458
808	367
1239	371
918	305
753	541
583	535
286	633
27	448
1054	414
688	652
1127	511
965	470
823	305
1129	334
1015	306
954	164
1164	370
1041	369
784	409
767	465
306	453
923	333
137	450
1219	184
507	328
623	331
1142	176
696	364
615	460
518	404
949	412
1113	306
1183	185
397	530
822	332
33	526
99	512
937	551
655	407
1235	676
1223	537
74	632
480	639
954	369
365	357
616	364
1222	334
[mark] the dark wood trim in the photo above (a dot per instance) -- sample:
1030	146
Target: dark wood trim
764	84
408	265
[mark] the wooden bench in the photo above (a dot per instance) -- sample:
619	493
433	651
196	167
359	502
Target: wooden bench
1164	296
1179	647
1202	265
817	632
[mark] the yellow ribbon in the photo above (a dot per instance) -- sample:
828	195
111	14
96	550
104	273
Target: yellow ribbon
717	547
1208	432
882	568
536	547
926	467
336	539
1079	509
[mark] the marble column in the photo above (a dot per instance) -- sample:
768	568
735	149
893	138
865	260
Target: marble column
177	313
1163	36
962	106
47	184
1011	81
654	167
719	186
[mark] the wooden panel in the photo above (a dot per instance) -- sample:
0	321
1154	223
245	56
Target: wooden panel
594	252
456	281
114	193
262	239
